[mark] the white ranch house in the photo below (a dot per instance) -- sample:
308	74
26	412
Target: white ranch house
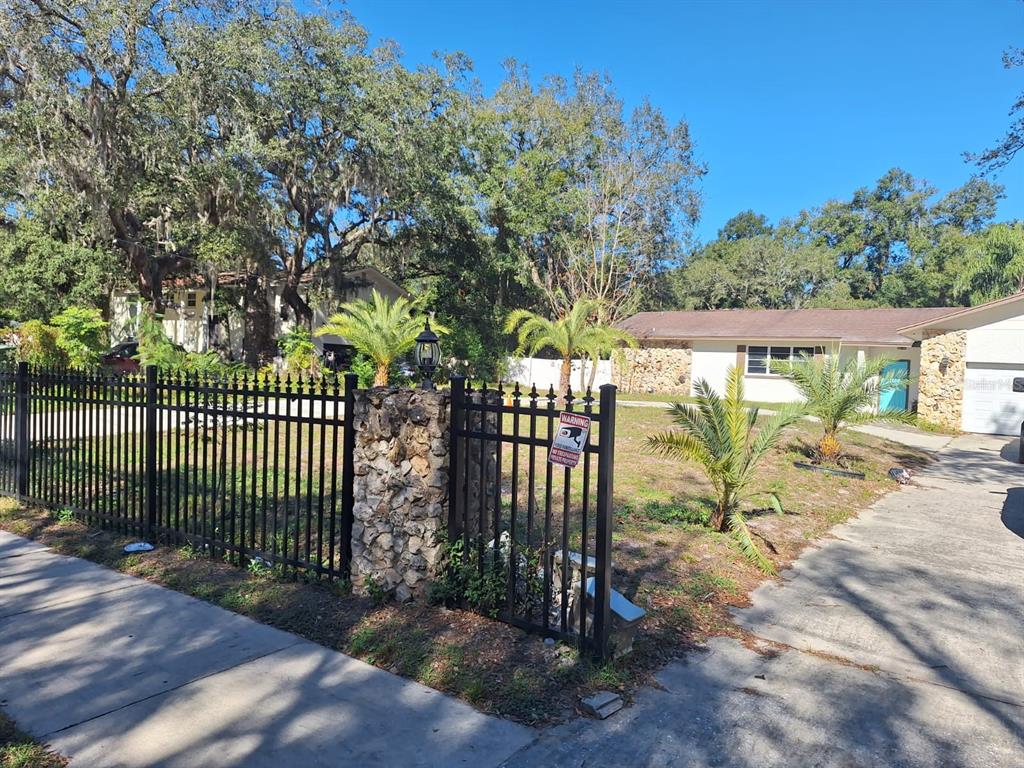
966	365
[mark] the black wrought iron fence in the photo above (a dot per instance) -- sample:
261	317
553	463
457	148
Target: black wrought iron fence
533	537
242	468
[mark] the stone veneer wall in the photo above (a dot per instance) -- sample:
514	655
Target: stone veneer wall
401	489
941	395
658	366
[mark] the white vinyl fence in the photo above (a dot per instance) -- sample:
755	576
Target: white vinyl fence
531	371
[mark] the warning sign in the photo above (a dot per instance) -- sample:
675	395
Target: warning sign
570	439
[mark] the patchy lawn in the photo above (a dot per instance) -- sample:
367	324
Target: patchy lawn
686	576
19	750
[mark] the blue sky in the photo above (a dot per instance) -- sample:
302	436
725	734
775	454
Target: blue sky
790	103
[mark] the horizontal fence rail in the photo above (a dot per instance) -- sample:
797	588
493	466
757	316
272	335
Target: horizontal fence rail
246	469
543	531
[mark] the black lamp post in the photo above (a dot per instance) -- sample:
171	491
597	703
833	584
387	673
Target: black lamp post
428	354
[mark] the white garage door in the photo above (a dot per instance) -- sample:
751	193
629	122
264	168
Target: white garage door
990	404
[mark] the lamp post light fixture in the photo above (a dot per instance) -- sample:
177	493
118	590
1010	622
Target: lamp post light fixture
428	354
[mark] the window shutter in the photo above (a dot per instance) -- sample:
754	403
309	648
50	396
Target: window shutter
741	358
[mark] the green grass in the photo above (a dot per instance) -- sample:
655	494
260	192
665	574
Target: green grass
664	397
703	583
931	426
19	750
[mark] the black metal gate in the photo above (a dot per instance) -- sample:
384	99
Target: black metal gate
540	531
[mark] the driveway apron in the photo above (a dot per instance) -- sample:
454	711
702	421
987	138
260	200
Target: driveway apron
897	641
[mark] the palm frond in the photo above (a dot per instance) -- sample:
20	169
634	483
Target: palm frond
745	542
886	416
575	333
681	445
771	431
774	501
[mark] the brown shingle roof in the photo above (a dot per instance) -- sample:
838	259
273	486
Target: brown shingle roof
863	326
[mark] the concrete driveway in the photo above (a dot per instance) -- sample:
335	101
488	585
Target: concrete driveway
899	642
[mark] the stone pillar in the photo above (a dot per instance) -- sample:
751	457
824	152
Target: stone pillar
401	489
940	385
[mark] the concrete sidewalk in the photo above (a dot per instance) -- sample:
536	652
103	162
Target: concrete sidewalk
116	672
897	642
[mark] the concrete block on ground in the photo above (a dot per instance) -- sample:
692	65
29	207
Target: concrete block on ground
601	705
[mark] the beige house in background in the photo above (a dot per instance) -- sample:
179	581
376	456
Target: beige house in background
188	309
966	366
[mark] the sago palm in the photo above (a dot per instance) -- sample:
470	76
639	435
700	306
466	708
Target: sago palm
721	435
575	333
379	328
842	396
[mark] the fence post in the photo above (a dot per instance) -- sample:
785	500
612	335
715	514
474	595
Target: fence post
605	490
21	417
348	473
458	392
152	429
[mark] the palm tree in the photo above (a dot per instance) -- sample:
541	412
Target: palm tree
843	396
575	333
720	435
604	340
381	329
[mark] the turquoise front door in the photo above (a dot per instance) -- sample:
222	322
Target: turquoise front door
895	399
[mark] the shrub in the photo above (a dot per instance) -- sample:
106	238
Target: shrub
300	354
363	367
81	335
485	589
156	348
37	345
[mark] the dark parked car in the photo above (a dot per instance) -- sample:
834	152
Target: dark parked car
122	357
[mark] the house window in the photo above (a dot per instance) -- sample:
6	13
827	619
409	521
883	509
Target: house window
191	300
764	361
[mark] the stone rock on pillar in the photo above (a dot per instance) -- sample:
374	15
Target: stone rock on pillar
401	489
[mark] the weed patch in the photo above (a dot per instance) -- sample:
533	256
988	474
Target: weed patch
19	750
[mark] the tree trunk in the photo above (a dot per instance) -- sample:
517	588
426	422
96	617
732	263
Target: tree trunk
381	377
563	376
290	296
149	270
258	344
718	520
